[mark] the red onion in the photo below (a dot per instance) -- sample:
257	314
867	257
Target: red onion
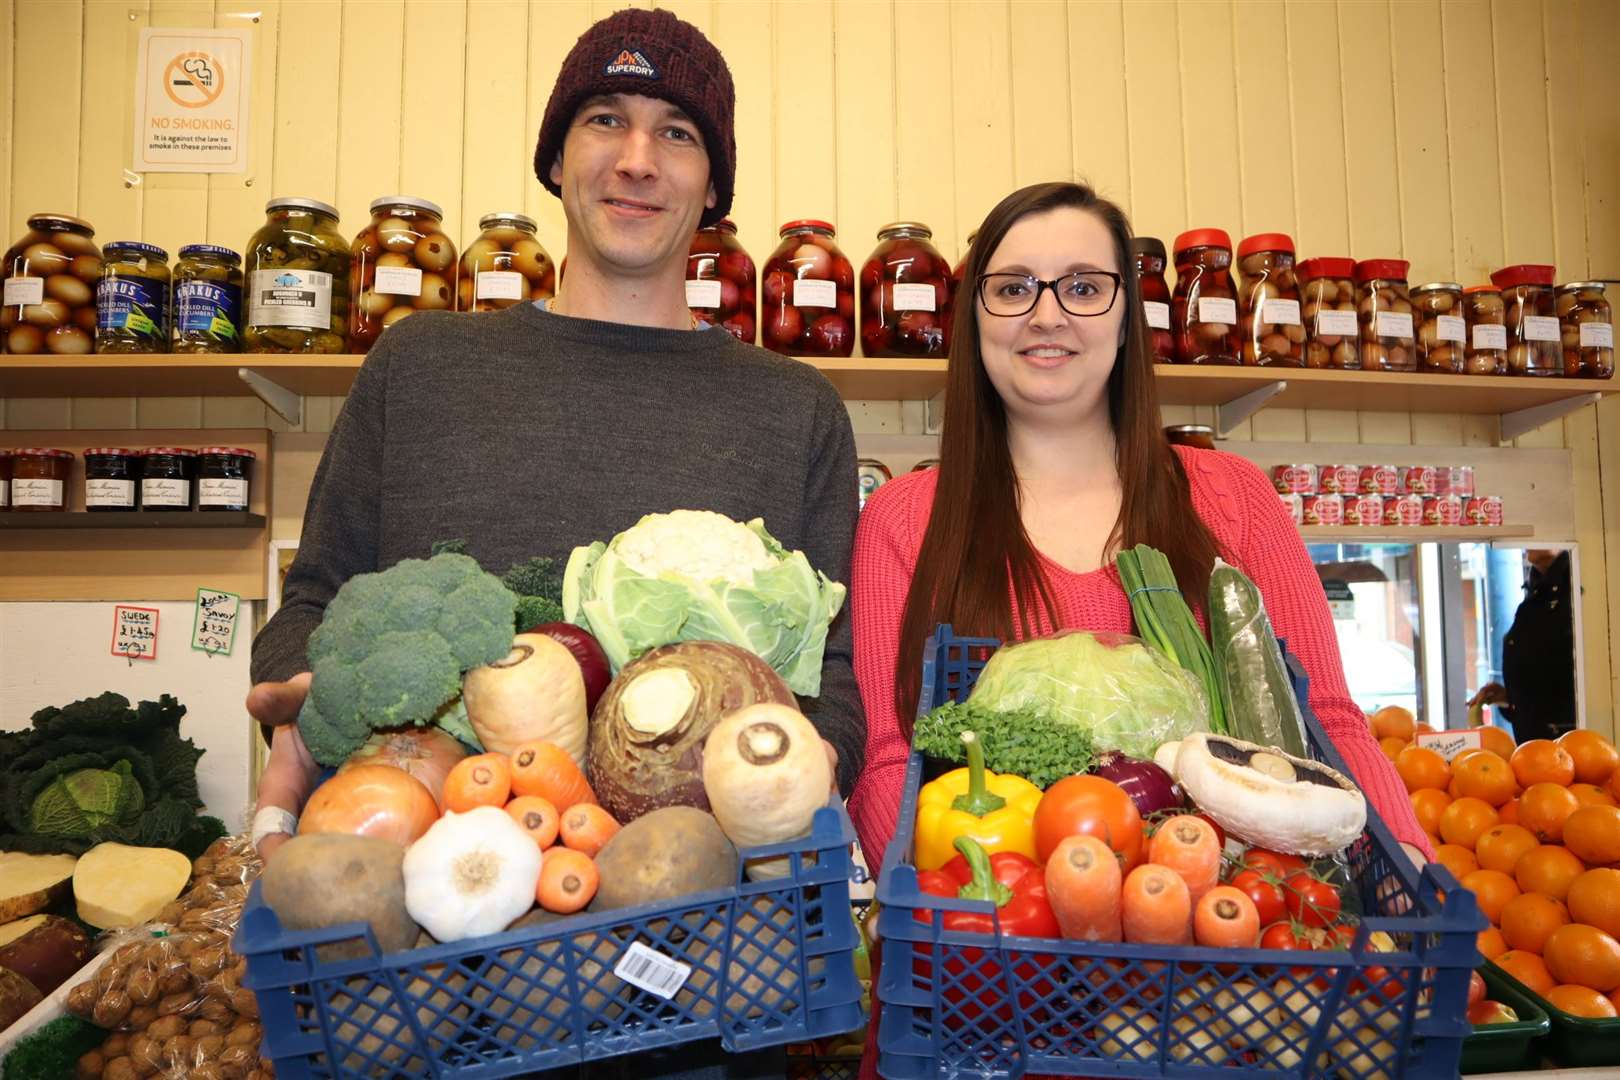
1150	787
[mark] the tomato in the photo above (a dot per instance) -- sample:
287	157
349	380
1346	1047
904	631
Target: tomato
1266	893
1220	833
1388	985
1090	805
1287	935
1476	988
1272	862
1310	900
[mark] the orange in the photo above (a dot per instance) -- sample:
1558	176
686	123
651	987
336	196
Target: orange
1493	889
1592	834
1595	757
1482	775
1592	795
1495	740
1543	809
1422	768
1465	821
1428	804
1594	899
1392	721
1508	812
1500	846
1529	919
1452	790
1425	729
1459	860
1542	761
1583	955
1614	784
1614	999
1581	1001
1391	746
1528	968
1491	943
1548	869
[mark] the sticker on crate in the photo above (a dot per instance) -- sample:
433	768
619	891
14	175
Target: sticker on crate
653	972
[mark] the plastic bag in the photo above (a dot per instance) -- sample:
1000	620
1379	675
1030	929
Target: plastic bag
1127	695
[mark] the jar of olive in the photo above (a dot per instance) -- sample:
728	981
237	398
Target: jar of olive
50	287
1588	330
1534	336
132	299
297	272
1441	329
207	300
1485	315
403	262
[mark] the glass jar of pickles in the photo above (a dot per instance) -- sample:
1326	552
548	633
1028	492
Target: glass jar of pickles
297	270
506	265
720	282
1384	312
1485	321
1441	329
1147	253
905	295
207	300
809	286
1328	308
1535	340
1269	321
132	299
1588	330
403	262
1203	312
51	276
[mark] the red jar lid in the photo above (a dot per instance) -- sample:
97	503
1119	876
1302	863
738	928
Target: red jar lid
1202	238
110	451
1382	269
40	451
236	450
1524	274
805	223
1325	266
172	451
1266	241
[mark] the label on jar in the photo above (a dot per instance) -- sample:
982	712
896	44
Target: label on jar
810	292
109	493
1394	324
1450	328
1336	323
300	298
913	297
5	494
1158	314
134	304
1217	309
398	281
703	294
165	491
25	290
1490	336
1597	335
1280	311
499	285
36	492
221	491
207	307
1541	328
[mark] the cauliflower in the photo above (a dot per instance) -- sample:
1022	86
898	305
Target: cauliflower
698	544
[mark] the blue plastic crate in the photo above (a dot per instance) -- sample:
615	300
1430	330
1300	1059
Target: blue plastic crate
969	1005
771	962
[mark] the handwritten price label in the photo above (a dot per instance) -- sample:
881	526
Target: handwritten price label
1448	744
213	630
135	632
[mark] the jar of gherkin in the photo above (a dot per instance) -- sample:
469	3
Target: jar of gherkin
297	273
207	300
132	299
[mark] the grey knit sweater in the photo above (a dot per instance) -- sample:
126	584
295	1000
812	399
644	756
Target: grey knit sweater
527	433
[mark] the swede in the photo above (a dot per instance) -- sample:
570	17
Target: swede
766	773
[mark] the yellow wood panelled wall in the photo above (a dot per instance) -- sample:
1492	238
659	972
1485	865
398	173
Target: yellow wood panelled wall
1462	134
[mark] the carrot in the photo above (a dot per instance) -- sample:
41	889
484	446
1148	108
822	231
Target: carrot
480	780
1082	885
545	769
1227	918
1189	846
586	827
568	880
537	816
1155	908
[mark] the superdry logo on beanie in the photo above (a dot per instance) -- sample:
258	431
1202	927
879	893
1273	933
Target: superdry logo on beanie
631	62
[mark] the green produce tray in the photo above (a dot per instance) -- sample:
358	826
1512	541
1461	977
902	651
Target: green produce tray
1574	1041
1506	1047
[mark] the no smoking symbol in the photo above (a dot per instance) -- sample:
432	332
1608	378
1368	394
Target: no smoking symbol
193	80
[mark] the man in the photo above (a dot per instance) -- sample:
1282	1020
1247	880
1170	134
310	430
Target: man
1538	654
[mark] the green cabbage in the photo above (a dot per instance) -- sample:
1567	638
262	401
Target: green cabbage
694	575
1129	697
81	801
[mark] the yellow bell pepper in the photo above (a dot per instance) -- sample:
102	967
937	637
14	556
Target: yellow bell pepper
998	811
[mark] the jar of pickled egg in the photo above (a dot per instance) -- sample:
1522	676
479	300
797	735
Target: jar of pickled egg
506	265
1535	339
50	277
1147	253
207	300
1384	312
1327	291
403	263
720	281
1485	322
961	264
809	293
1442	330
1269	317
905	295
297	272
132	299
1203	310
1587	326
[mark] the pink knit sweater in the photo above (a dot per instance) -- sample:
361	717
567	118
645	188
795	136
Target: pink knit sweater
1239	505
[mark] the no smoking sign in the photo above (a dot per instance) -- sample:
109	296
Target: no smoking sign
191	104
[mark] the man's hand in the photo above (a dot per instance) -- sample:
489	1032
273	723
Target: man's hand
1492	693
290	775
276	703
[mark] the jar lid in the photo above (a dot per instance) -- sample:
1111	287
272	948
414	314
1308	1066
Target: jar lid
1381	270
1573	285
1325	266
806	223
69	220
1438	286
1147	245
236	451
408	200
725	224
212	250
1191	429
171	451
1524	274
1203	238
40	451
151	251
285	203
1472	289
507	217
894	228
111	451
1266	241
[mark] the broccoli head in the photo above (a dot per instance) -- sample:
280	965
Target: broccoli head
393	646
537	582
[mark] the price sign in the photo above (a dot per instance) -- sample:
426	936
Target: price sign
135	631
1448	744
213	630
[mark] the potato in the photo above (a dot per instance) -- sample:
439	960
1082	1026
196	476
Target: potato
672	852
17	996
327	879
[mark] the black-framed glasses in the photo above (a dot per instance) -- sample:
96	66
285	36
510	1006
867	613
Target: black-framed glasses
1086	293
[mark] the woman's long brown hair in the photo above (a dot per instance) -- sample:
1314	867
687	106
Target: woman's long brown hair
975	541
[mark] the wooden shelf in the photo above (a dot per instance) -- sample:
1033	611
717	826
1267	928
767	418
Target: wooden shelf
167	375
1425	534
139	519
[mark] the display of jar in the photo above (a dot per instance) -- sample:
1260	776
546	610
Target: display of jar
167	473
1328	308
1201	436
905	295
1442	331
403	263
1147	253
132	298
111	479
207	300
720	280
39	479
871	474
5	479
297	271
506	265
1485	321
51	276
1384	311
1587	325
1535	340
1268	300
961	264
223	476
1203	312
809	294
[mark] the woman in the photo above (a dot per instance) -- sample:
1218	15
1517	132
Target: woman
1051	460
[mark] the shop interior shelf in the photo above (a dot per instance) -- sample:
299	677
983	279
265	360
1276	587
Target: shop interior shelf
1426	534
139	519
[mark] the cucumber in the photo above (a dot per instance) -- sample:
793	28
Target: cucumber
1260	704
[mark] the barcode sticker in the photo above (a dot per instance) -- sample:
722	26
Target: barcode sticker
651	971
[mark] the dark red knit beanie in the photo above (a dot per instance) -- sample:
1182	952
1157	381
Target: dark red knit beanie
654	54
